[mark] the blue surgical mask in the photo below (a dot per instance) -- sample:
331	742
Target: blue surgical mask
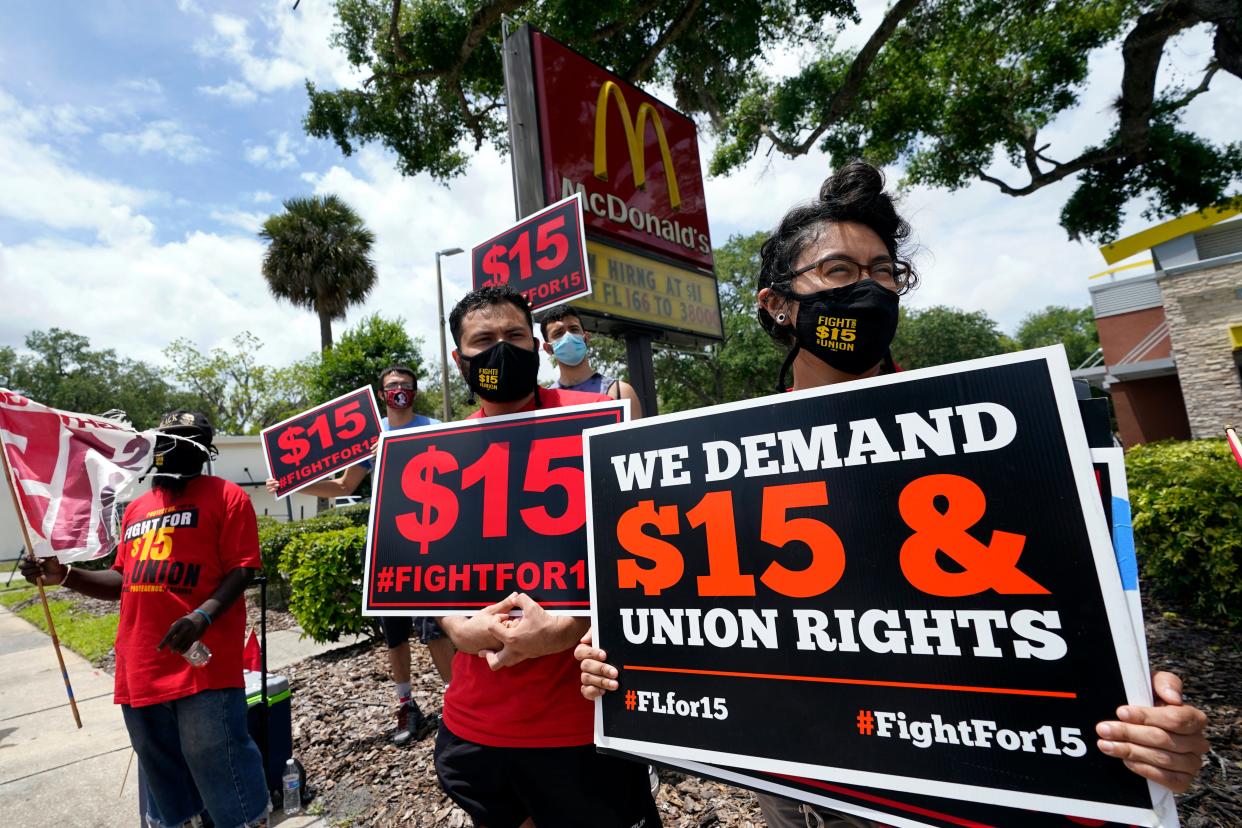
570	349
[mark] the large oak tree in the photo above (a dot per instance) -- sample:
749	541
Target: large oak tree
944	87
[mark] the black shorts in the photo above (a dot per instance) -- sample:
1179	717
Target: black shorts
556	787
397	629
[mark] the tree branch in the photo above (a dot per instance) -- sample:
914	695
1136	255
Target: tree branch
482	20
394	33
843	99
675	29
619	26
1141	52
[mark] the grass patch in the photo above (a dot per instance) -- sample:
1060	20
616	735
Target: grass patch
90	636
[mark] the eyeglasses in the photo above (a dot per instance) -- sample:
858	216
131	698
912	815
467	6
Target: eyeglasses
835	271
393	386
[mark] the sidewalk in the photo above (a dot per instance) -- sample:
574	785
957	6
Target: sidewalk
52	774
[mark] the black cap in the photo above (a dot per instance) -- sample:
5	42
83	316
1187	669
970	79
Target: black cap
189	423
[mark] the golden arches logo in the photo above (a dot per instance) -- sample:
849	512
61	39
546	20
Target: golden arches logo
635	134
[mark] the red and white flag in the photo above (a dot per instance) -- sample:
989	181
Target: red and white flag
67	470
1234	443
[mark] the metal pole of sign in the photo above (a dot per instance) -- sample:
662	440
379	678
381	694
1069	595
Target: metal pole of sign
444	381
642	371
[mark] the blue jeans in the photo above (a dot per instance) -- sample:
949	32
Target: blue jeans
197	754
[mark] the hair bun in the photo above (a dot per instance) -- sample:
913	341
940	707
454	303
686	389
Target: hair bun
856	183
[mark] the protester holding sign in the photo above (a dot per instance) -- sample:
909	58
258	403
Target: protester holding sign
829	289
399	384
515	742
188	549
565	340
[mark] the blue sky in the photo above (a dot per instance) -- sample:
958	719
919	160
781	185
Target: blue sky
143	142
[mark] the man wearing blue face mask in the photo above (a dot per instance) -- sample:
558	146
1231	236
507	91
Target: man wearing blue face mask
566	341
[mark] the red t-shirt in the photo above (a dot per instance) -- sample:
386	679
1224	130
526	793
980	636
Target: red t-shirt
175	550
535	703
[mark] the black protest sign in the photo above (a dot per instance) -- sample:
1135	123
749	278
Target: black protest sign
543	256
902	809
903	582
463	514
318	443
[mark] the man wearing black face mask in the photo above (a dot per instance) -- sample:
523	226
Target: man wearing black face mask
188	549
515	744
399	386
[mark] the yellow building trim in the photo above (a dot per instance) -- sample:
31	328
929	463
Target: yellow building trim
1235	335
1114	252
1143	263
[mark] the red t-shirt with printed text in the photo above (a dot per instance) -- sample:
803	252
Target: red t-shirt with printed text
534	703
175	550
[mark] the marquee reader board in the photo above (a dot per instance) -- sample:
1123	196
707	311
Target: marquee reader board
320	442
902	809
464	514
904	582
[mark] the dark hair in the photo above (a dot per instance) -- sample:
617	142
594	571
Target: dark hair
855	192
398	369
486	297
557	314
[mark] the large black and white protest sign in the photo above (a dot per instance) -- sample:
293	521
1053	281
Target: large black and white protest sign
904	582
902	809
466	513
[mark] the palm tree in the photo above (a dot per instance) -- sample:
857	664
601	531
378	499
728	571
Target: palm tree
319	257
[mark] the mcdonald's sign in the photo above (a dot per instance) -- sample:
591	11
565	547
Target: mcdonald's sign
634	159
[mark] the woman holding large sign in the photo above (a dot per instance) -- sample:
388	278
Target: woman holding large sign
829	287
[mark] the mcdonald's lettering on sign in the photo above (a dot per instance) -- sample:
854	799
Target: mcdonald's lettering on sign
634	160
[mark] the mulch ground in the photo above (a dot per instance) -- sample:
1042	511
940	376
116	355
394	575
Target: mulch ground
344	712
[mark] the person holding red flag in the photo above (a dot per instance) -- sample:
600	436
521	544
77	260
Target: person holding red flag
188	549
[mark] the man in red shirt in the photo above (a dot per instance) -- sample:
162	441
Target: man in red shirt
188	549
515	744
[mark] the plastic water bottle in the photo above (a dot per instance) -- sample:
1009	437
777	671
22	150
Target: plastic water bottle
198	655
292	786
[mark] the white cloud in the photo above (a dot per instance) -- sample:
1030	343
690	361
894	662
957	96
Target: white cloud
281	154
241	219
233	91
159	138
293	46
41	187
262	197
145	86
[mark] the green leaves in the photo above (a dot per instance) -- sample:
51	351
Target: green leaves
1073	327
319	258
1186	501
945	87
939	335
238	393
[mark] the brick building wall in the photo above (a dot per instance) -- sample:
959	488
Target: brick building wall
1200	304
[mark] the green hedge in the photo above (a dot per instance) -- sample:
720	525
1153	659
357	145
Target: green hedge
1186	500
325	570
274	536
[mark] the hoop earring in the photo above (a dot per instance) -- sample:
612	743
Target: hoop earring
780	318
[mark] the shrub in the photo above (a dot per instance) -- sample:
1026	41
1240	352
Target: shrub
1186	499
325	573
274	536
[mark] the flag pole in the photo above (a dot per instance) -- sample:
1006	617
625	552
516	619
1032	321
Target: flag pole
47	612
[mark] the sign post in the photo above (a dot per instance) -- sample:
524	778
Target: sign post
576	128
